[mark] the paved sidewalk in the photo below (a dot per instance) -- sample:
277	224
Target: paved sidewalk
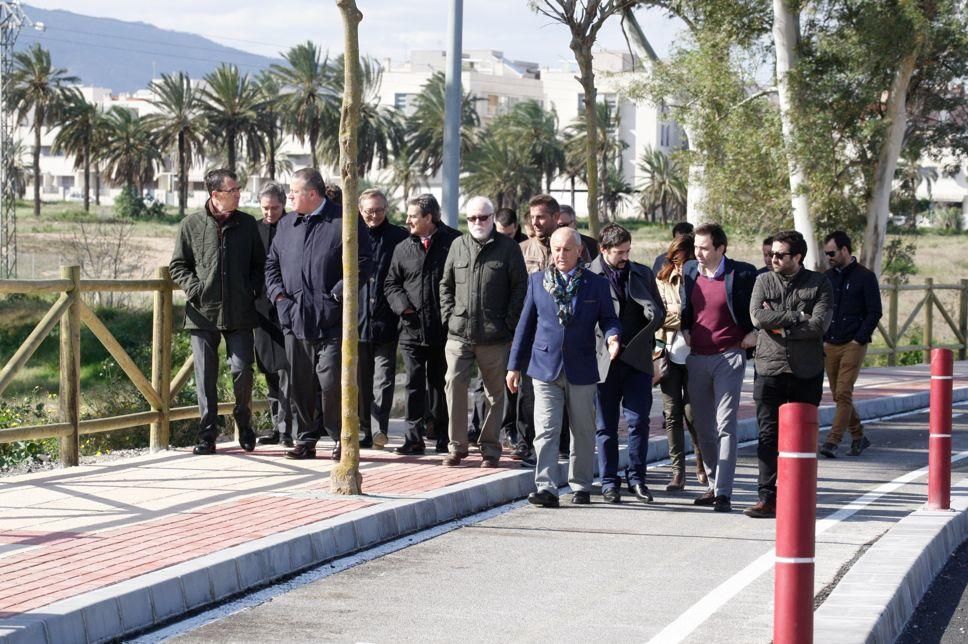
94	552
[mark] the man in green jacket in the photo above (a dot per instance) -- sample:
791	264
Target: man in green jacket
481	297
218	261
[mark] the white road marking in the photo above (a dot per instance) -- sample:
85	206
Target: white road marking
702	610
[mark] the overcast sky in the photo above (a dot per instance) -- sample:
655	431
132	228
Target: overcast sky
390	28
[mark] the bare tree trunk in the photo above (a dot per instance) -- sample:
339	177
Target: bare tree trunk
345	477
38	123
313	139
872	254
182	175
786	34
87	178
272	157
583	54
97	184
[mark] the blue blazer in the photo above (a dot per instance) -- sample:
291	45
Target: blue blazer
548	347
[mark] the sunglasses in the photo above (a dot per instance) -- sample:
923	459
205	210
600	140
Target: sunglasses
778	255
830	253
479	218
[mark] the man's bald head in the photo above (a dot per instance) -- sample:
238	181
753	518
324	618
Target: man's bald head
565	249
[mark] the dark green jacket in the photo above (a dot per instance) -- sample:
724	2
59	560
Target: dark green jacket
482	290
220	269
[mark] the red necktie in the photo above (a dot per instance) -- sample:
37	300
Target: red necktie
426	243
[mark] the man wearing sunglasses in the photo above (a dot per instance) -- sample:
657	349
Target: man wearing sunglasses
857	308
792	308
481	297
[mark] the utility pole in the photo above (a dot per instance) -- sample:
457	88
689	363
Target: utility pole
452	113
12	18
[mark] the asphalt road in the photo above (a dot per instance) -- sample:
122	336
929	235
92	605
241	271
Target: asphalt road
670	571
942	615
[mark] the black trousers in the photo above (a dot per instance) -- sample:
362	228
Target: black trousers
312	363
770	392
377	369
425	403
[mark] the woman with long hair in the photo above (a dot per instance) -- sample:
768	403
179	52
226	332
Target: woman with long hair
675	395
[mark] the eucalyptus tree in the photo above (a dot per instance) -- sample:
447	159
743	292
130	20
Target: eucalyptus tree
81	136
180	123
308	96
37	91
232	106
425	126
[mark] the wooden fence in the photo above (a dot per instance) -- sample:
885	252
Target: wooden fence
71	312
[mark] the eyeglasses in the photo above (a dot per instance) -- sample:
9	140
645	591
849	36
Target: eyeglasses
830	253
235	190
374	211
776	255
479	218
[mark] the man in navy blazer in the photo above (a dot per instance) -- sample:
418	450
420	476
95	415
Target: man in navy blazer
304	278
555	337
715	314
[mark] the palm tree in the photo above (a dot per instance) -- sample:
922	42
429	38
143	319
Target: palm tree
662	187
37	89
130	152
405	174
502	170
530	122
18	170
425	127
271	121
79	136
232	107
610	146
380	134
308	96
614	190
178	124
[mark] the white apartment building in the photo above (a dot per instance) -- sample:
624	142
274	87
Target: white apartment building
498	82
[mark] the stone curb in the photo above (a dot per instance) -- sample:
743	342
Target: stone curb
153	599
875	599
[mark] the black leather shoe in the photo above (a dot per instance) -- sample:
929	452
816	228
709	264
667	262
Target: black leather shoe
706	498
581	498
204	448
247	440
722	504
411	449
271	439
612	495
287	440
641	492
858	445
442	448
366	442
337	453
544	498
301	453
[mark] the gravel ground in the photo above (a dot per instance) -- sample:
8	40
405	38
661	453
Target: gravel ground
48	464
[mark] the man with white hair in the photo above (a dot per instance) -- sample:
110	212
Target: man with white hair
481	295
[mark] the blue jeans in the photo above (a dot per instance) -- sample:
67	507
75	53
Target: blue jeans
631	389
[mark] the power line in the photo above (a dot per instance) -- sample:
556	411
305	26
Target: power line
131	50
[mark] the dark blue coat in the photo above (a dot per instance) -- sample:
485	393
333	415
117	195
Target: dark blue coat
740	278
856	305
548	347
305	264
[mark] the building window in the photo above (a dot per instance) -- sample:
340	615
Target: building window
665	135
610	99
402	101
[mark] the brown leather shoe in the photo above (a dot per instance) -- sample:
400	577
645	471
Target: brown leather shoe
490	462
301	452
678	481
706	498
762	510
701	471
453	459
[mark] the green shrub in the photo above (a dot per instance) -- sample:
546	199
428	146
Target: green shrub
18	413
130	205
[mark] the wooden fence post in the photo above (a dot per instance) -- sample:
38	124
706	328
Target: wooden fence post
161	360
963	318
928	334
892	323
70	369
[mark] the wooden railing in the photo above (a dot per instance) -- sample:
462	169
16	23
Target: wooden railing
71	311
894	335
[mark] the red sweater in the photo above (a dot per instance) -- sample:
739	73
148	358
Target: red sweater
713	328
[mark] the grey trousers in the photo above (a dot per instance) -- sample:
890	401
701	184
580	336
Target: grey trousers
492	360
377	371
550	399
277	393
240	351
312	362
715	384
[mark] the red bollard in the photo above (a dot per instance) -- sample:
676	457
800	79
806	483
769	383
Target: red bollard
796	519
939	437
